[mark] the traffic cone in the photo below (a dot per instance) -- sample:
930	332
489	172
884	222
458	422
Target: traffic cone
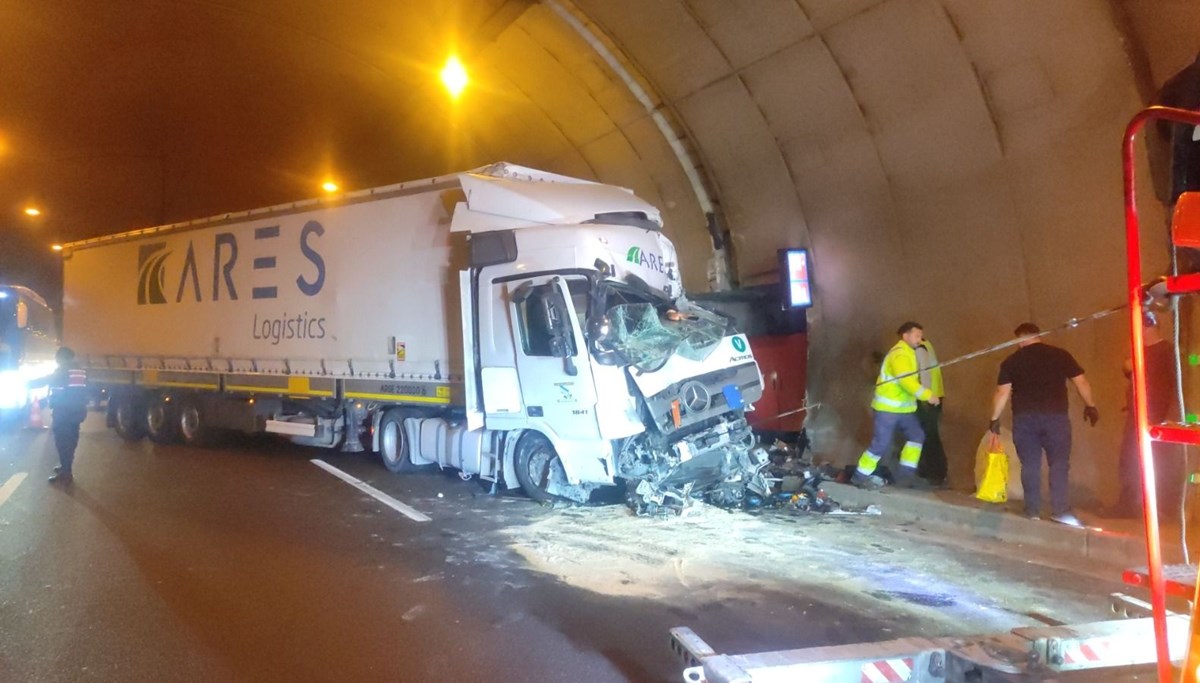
35	415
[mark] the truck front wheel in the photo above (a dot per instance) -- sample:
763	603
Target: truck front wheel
394	447
538	467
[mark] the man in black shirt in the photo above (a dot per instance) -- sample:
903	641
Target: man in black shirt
1036	379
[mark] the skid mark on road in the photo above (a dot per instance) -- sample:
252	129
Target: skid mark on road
11	485
375	493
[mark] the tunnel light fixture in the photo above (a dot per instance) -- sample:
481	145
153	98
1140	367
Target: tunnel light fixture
32	211
330	186
56	247
454	76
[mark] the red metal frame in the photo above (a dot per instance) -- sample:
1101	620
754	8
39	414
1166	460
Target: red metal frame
1181	589
1170	434
1184	284
1158	589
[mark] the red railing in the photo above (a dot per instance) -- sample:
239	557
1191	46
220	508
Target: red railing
1158	591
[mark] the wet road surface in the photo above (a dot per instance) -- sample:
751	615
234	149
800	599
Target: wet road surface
246	562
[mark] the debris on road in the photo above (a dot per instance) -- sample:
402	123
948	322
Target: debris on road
795	485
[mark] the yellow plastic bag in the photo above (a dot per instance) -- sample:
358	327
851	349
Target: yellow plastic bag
1014	464
994	487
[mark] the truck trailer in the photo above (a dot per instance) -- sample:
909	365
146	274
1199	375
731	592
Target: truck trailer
524	327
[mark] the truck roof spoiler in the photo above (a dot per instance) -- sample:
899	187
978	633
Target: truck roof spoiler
505	196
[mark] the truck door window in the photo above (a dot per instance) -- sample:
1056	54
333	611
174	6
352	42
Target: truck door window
537	327
580	296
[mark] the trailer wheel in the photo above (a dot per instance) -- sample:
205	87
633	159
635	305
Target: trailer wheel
538	465
193	424
394	448
128	417
162	424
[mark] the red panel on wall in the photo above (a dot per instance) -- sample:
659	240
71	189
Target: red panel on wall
783	360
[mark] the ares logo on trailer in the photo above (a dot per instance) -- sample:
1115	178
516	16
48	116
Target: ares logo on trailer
159	277
652	261
150	274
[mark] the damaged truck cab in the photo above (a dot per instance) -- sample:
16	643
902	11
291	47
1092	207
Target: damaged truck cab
585	346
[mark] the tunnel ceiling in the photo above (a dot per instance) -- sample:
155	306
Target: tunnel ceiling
934	154
124	114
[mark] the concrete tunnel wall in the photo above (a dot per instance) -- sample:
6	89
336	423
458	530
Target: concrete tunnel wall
951	162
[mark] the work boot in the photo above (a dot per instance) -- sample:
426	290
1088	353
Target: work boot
869	482
61	475
908	479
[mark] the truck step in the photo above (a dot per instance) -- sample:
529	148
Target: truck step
291	428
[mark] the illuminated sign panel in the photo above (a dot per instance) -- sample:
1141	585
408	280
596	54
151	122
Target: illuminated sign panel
794	277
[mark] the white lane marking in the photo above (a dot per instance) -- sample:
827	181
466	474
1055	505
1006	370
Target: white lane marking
373	492
11	485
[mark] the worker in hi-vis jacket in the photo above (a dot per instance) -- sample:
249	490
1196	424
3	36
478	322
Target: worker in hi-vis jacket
895	408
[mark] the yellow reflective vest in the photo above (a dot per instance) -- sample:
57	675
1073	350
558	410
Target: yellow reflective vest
935	373
899	395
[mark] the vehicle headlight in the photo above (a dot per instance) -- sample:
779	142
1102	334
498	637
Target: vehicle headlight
13	390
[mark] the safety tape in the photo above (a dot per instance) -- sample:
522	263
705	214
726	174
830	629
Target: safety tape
1085	651
1070	324
888	671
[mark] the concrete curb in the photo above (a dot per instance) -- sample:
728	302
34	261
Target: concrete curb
959	512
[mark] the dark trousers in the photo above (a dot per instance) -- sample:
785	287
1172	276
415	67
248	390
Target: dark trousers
66	438
1034	433
1168	476
888	425
933	456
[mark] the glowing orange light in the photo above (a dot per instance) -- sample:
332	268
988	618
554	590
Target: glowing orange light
329	186
33	211
56	247
454	76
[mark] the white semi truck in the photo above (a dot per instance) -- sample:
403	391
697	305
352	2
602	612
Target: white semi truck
522	326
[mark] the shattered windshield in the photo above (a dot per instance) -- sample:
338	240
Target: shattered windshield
647	329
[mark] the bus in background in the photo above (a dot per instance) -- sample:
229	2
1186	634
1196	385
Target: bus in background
28	340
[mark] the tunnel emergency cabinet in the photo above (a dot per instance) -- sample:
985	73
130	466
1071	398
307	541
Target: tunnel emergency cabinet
518	325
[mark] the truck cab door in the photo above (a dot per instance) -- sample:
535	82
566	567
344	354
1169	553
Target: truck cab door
558	393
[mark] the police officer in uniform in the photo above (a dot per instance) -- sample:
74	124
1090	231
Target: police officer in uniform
68	401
